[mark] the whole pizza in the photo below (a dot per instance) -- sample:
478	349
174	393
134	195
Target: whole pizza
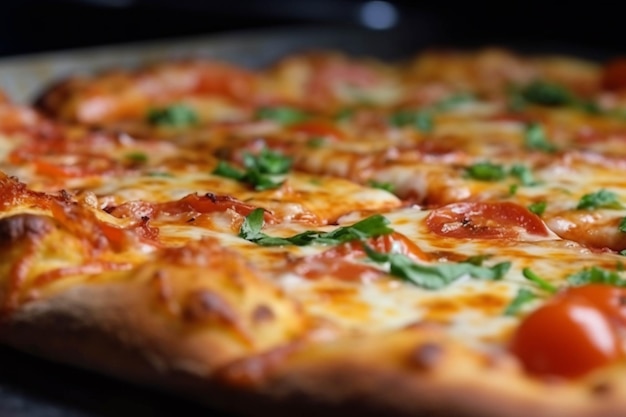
331	235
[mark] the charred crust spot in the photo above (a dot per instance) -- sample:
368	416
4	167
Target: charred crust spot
262	314
426	356
206	305
20	226
211	197
601	389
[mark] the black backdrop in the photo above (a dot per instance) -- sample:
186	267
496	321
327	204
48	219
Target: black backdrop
595	28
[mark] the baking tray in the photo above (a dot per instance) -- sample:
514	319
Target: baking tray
33	387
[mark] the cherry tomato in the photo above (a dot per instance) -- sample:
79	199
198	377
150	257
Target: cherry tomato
610	300
567	337
484	220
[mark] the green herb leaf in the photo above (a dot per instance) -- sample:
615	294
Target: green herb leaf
176	115
421	120
453	101
316	142
261	170
541	283
268	162
224	169
373	226
344	114
596	275
138	157
283	115
547	94
600	199
387	186
536	139
523	297
538	208
622	225
523	174
486	171
434	276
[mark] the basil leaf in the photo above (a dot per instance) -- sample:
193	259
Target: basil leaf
387	186
523	174
596	275
541	283
344	115
600	199
268	162
434	276
538	208
283	115
547	94
138	157
486	171
536	139
176	115
373	226
421	120
523	297
622	225
260	170
453	101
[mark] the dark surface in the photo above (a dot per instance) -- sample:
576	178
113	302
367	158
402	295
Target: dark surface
32	387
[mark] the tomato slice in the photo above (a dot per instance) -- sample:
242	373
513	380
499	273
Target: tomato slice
567	337
485	220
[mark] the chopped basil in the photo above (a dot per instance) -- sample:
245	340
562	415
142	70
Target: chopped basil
513	189
535	139
596	275
373	226
433	277
138	157
283	115
176	115
600	199
260	172
421	120
524	174
453	101
387	186
486	171
523	297
547	94
161	174
622	225
541	283
538	208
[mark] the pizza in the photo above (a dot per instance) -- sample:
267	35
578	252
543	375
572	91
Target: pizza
330	235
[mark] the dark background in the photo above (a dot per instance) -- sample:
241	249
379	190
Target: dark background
593	29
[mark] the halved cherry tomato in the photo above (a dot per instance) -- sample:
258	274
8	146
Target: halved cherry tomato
484	220
614	75
567	337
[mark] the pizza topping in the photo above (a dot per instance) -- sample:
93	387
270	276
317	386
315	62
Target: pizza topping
547	94
536	139
437	276
523	297
596	275
421	120
538	208
372	226
486	171
282	115
566	337
261	170
176	115
614	75
485	220
599	199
